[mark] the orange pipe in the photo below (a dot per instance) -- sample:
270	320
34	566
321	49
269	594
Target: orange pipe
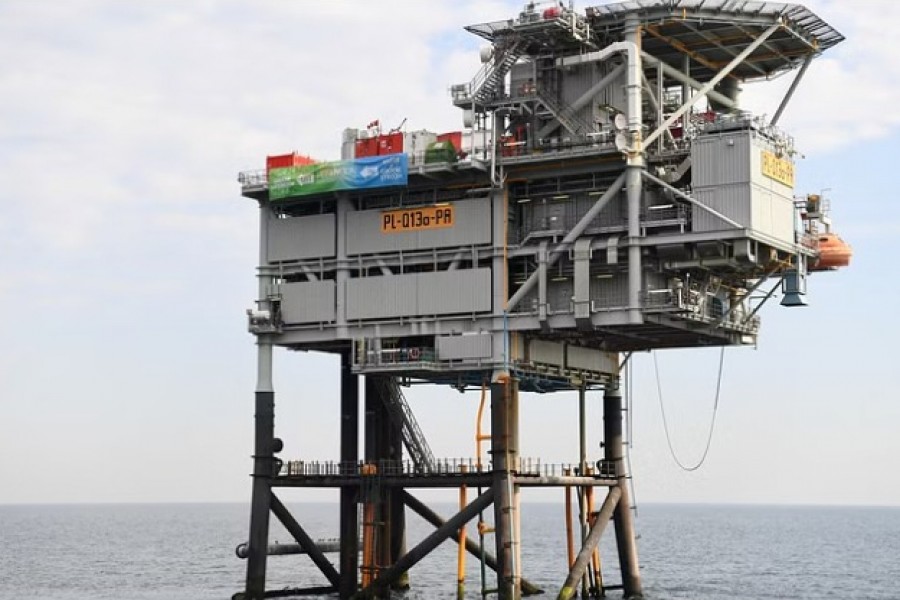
570	539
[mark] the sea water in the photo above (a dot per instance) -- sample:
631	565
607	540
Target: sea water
186	551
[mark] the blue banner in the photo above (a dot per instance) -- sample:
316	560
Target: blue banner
361	173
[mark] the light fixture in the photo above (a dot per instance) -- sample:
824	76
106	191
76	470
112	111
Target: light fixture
523	200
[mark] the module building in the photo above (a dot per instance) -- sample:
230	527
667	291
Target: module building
606	193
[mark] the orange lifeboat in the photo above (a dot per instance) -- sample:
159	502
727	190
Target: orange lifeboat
833	253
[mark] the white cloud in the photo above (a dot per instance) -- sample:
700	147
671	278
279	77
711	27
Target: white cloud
850	93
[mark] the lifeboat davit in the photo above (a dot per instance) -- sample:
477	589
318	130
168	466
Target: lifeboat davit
833	253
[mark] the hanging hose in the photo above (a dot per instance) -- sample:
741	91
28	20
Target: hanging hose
712	424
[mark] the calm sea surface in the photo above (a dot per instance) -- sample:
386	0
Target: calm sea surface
174	552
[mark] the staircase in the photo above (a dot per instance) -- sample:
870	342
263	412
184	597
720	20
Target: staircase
566	115
490	77
412	435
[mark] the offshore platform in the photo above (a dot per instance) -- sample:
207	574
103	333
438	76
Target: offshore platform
606	194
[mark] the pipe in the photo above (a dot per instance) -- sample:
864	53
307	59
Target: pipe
461	543
570	539
472	547
570	237
432	541
242	550
584	556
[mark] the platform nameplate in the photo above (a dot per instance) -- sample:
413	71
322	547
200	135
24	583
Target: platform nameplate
779	169
415	219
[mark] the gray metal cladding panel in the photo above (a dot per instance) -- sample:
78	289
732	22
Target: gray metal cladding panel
610	292
772	214
457	347
721	158
307	302
416	294
381	297
472	226
559	295
589	359
549	353
449	292
300	238
733	201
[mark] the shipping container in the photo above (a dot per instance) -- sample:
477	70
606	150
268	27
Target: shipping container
278	161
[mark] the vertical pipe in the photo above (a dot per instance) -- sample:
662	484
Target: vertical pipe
622	517
461	547
582	463
570	538
349	495
634	166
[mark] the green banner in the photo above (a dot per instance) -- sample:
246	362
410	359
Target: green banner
371	172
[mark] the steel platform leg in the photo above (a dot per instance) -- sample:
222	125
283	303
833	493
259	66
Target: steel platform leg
622	517
263	466
504	427
349	498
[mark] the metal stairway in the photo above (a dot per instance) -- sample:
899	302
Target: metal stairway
566	115
490	77
413	438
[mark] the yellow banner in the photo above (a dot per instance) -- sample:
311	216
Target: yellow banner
415	219
779	169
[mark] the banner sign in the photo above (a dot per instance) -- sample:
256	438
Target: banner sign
414	219
361	173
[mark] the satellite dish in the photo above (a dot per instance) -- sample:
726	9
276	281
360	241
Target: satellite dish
621	142
620	121
486	53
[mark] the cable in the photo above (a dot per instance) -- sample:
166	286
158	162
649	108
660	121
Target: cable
712	424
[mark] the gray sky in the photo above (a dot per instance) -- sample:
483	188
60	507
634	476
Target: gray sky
126	373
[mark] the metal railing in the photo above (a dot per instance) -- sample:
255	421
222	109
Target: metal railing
526	467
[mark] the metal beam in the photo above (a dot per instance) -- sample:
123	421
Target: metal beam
584	99
567	241
432	541
687	80
712	82
697	203
309	546
790	92
421	509
569	588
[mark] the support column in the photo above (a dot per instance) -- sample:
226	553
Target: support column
633	169
264	431
504	432
349	557
397	509
263	467
622	517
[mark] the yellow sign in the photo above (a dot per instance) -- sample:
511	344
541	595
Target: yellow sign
779	169
415	219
